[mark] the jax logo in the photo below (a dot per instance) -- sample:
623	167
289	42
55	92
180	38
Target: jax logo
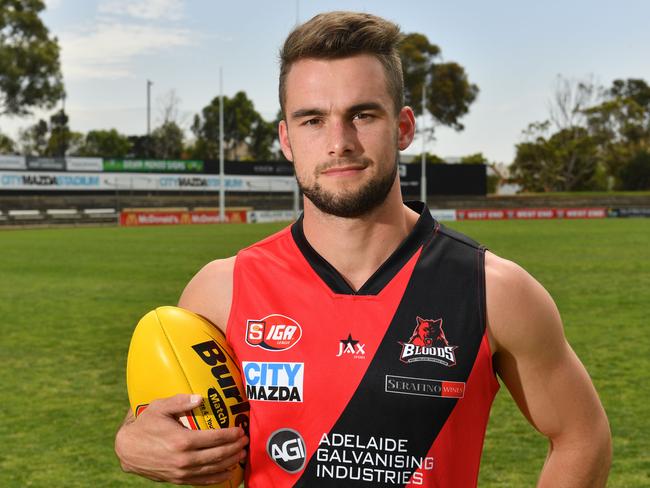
274	332
428	343
274	382
352	348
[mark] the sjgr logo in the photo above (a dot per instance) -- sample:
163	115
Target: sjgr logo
274	332
287	448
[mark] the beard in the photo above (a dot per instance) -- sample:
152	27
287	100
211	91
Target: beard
350	203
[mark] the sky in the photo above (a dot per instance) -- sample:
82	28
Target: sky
514	50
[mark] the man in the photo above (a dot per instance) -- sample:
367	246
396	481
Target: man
392	325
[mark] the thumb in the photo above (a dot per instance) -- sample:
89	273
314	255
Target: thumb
177	404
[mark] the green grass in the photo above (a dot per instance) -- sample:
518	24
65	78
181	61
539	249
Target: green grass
599	274
70	299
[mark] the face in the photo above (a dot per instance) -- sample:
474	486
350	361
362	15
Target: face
342	133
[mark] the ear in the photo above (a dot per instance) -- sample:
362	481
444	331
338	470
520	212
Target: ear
285	143
406	128
420	320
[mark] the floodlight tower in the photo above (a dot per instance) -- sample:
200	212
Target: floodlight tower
222	178
423	179
149	83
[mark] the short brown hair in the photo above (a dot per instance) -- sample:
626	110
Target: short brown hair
335	35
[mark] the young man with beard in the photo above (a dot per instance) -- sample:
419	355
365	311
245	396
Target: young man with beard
358	277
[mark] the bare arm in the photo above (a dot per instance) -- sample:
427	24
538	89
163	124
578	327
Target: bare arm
156	445
546	379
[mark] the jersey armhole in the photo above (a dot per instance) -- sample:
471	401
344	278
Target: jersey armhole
482	300
233	301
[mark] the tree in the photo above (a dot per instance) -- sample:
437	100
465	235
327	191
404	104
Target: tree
622	125
33	140
448	90
634	89
571	100
61	140
139	147
30	73
7	145
167	141
105	143
168	107
560	154
240	120
598	134
565	161
636	174
429	158
477	158
53	140
262	140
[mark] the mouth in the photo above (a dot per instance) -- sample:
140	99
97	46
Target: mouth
344	169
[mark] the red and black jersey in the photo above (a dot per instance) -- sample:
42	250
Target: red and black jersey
388	385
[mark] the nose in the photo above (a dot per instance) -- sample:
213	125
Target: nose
342	139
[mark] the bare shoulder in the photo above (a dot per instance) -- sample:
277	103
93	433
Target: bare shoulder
209	292
521	313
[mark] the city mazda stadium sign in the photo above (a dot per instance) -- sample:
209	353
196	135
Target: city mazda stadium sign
41	180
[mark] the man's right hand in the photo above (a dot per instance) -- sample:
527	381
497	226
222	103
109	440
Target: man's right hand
157	446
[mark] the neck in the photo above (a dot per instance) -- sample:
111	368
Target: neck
357	247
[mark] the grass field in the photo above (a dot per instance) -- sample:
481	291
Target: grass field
70	298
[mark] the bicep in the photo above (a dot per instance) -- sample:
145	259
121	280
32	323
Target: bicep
555	394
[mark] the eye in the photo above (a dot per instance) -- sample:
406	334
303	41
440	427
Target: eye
363	117
312	122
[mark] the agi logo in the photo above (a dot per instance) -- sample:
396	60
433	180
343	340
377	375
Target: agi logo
274	332
287	448
428	343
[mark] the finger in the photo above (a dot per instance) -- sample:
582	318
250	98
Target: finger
214	468
222	457
177	404
202	439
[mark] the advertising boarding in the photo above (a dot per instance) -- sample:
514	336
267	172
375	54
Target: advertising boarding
86	181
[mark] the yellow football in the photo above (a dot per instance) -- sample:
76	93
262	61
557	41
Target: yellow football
176	351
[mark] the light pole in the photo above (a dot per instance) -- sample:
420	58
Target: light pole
64	129
423	179
222	178
148	146
149	83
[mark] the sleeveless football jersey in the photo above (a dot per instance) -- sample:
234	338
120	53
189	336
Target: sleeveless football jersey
389	385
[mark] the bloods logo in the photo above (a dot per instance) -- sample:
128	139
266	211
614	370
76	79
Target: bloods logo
274	382
428	343
274	333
